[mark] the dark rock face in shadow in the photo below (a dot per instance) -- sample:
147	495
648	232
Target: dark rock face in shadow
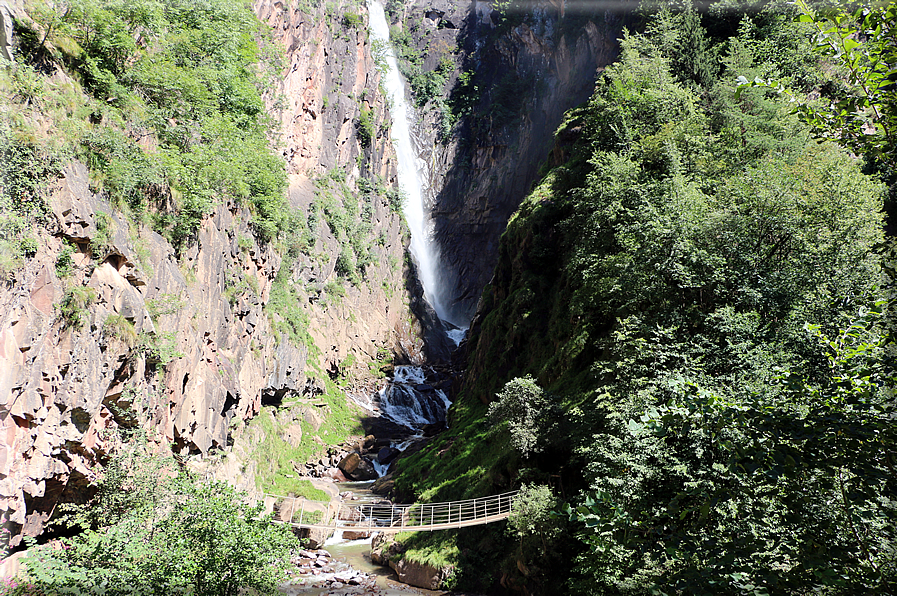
437	346
527	71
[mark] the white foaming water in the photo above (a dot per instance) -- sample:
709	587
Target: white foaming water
457	335
408	374
409	166
336	538
381	469
408	400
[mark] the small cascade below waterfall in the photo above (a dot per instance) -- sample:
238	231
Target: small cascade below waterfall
408	400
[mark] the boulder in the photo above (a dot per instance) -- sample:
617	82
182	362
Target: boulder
356	467
387	455
336	474
380	548
384	485
383	428
420	575
315	537
354	535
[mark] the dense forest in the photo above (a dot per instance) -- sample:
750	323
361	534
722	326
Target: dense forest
685	357
688	334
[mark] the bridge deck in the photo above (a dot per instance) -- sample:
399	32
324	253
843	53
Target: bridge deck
386	517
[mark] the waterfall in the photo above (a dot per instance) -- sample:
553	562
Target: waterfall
408	400
410	168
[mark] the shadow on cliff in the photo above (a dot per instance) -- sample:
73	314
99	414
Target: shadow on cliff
519	76
437	345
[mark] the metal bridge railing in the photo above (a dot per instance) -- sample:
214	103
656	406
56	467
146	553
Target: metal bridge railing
300	512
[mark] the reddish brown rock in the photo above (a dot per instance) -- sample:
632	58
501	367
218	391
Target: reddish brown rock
357	468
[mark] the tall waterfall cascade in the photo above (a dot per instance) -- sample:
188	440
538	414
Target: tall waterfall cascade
411	169
409	399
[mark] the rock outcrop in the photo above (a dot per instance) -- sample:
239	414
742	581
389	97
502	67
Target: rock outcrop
420	575
330	79
387	552
157	344
9	9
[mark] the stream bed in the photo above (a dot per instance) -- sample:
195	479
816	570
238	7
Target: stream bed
344	566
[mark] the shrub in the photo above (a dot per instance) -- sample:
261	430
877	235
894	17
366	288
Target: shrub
529	413
153	530
532	513
351	19
158	348
99	244
365	127
25	168
64	263
16	243
165	304
121	328
73	308
284	309
396	199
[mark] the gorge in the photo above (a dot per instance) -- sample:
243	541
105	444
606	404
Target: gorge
581	250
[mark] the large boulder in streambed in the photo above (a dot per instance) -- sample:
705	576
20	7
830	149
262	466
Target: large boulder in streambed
387	454
357	468
420	575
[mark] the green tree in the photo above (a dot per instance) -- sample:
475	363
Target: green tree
532	515
154	529
861	41
529	414
802	481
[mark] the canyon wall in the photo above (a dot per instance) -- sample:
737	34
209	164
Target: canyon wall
105	327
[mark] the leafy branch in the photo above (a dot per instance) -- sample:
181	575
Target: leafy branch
864	44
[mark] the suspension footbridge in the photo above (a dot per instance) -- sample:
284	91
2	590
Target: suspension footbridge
387	517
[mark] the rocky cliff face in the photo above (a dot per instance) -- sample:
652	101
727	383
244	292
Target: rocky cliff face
105	327
516	75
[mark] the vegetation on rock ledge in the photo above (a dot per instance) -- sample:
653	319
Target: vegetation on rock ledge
174	121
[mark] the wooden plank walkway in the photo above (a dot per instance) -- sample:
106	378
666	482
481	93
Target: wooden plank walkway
418	517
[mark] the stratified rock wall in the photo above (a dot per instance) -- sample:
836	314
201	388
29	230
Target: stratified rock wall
184	347
157	345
